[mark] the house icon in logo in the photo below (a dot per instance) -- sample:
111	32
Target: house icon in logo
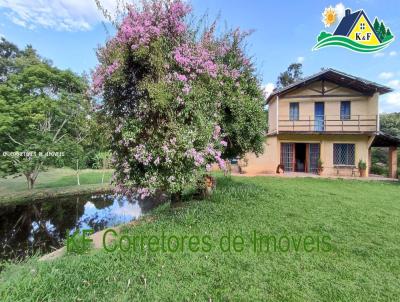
358	28
355	32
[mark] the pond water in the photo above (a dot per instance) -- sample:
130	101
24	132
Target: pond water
42	226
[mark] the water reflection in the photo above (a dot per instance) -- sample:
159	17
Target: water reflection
42	226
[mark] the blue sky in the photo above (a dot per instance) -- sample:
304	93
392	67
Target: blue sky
68	32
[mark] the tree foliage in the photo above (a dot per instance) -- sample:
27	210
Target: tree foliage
41	110
382	31
390	123
177	100
291	75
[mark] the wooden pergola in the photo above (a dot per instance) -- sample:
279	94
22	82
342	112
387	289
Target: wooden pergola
387	141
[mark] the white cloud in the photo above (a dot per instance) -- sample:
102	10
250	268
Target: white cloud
268	88
394	98
300	60
391	102
340	11
392	53
62	15
386	75
394	84
379	54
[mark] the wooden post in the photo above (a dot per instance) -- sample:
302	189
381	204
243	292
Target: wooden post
393	162
369	161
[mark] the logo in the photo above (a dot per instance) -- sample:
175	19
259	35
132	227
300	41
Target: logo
354	31
77	243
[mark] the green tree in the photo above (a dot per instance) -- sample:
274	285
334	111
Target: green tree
291	75
40	108
376	25
103	162
390	123
382	31
8	53
389	35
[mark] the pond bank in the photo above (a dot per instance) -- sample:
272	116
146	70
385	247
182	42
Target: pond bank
55	182
41	227
40	194
97	239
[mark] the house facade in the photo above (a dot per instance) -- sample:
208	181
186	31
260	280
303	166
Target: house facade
331	117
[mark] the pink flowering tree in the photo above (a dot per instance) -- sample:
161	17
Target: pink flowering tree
177	102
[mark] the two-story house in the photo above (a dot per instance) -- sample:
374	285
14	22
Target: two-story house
331	117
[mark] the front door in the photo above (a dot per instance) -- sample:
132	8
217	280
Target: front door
319	112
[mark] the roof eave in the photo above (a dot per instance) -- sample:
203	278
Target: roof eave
374	86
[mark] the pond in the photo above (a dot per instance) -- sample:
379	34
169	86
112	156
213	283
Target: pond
41	227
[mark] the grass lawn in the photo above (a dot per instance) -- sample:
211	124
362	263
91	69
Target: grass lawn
361	218
54	182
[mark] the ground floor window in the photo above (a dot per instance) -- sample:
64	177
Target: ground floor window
344	154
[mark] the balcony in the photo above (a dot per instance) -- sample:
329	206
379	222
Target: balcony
329	124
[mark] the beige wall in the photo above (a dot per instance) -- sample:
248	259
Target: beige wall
266	162
272	114
269	160
363	107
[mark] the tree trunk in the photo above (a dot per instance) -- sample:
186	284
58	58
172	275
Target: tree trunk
32	182
176	198
104	170
28	180
77	172
210	184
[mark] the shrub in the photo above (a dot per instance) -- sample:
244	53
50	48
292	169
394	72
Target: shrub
178	101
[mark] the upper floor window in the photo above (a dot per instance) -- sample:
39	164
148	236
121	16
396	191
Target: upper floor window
345	110
362	26
294	112
344	154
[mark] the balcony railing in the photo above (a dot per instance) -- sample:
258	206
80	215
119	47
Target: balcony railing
329	123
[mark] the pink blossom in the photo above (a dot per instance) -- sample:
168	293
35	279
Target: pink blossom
182	77
143	192
140	27
186	89
217	131
197	156
196	59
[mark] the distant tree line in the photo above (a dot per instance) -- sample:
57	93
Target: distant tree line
45	109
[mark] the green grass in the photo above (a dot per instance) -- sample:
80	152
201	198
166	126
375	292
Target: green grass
361	218
54	182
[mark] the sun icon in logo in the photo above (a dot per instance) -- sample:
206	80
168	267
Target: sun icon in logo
329	16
